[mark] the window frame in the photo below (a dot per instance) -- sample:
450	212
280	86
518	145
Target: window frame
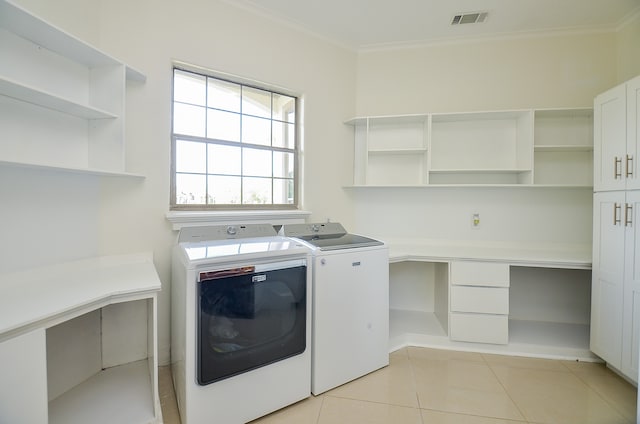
296	151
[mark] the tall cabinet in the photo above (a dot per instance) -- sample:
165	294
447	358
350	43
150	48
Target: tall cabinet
615	309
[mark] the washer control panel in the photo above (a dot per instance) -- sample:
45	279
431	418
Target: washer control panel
224	232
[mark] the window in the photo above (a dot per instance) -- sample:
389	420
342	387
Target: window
234	145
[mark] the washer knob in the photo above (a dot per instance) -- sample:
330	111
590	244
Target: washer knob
232	230
315	228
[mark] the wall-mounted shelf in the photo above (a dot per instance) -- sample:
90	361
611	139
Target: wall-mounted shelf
62	101
72	170
550	147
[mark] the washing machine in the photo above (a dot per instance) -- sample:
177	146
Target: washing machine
240	324
350	319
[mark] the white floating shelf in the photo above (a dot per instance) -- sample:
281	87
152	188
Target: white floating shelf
22	23
76	170
478	171
407	151
563	148
43	98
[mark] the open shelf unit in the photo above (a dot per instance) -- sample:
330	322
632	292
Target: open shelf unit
539	325
62	101
80	341
544	147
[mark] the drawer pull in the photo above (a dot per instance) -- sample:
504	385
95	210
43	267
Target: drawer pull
617	219
628	215
617	167
629	169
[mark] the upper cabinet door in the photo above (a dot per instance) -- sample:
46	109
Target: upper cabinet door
610	139
633	134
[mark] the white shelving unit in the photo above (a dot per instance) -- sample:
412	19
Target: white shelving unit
84	335
539	325
62	101
563	147
542	148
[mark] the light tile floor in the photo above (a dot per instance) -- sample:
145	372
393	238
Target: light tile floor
430	386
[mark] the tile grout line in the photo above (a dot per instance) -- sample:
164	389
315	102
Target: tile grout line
320	409
415	384
526	419
597	392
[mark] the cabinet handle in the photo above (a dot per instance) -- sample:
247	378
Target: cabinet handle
617	167
629	169
616	213
628	215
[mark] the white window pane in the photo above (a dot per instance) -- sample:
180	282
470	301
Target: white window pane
224	160
224	190
223	95
223	125
256	102
256	163
284	108
283	165
189	88
283	191
256	130
191	189
190	157
188	120
283	135
256	191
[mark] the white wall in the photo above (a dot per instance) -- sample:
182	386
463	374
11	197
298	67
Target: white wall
497	74
110	215
52	217
535	72
628	42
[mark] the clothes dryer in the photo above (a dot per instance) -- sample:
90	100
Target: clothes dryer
241	321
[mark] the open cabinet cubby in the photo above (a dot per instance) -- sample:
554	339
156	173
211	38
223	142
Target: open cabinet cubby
62	101
540	324
78	342
550	147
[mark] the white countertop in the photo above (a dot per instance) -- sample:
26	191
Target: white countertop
31	298
548	255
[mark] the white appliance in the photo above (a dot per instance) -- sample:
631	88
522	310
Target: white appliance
350	330
240	325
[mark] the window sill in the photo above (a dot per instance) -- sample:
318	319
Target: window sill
181	219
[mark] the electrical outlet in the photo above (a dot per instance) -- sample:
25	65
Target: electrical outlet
475	221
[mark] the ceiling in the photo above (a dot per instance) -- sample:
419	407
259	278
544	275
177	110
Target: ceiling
366	24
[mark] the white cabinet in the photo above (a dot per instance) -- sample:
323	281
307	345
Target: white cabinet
522	147
62	102
479	293
607	277
615	309
617	137
615	314
23	387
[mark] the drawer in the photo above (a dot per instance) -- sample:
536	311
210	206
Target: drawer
479	328
488	300
468	273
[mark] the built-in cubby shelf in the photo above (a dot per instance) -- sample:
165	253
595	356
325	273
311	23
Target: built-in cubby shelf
62	101
78	342
544	148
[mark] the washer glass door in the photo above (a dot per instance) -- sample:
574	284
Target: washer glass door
249	319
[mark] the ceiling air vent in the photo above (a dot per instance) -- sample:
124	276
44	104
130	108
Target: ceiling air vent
469	18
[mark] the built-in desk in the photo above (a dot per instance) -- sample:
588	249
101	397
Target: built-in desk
78	342
544	295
